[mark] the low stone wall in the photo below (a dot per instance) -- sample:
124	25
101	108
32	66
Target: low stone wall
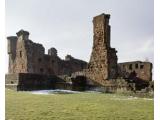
11	78
11	86
28	81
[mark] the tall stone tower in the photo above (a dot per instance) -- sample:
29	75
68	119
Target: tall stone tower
103	61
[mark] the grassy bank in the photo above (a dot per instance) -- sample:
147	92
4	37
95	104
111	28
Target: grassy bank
81	106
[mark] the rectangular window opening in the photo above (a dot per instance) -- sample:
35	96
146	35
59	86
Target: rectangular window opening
142	66
130	66
20	53
136	66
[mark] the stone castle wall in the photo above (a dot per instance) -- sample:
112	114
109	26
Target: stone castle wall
26	56
141	70
29	81
28	61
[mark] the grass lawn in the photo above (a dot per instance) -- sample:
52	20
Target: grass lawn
80	106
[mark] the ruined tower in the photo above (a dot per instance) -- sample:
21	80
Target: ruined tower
12	43
103	61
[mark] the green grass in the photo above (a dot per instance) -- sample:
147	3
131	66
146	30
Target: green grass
82	106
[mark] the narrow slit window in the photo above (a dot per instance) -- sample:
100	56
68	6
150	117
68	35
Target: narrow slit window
130	66
123	66
20	53
136	66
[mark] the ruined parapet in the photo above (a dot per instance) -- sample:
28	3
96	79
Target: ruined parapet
68	57
23	35
103	60
52	52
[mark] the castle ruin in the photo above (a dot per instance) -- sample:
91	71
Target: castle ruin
26	56
103	61
30	68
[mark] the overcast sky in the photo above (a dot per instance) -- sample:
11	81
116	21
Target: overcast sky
67	25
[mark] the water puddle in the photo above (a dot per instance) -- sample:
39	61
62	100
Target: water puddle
56	91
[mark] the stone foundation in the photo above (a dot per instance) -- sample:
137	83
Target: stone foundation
28	81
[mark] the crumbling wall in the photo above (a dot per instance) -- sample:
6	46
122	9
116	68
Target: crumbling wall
103	60
12	45
25	56
141	70
72	65
20	64
29	81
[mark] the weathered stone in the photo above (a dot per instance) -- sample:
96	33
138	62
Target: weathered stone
31	68
26	56
29	81
141	70
103	60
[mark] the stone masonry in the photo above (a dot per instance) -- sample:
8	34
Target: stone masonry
26	56
103	61
141	70
30	68
103	67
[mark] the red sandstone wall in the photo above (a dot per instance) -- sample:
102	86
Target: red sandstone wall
31	58
143	70
103	61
